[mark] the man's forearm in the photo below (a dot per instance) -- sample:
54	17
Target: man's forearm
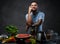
29	18
37	23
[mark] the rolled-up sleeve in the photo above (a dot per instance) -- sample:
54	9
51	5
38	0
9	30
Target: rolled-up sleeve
41	16
26	17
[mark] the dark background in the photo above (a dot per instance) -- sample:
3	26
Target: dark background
12	12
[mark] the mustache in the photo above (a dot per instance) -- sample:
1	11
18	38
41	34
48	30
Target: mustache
33	10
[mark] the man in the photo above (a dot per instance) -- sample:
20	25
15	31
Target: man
34	18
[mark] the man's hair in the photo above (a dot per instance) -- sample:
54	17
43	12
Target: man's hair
33	2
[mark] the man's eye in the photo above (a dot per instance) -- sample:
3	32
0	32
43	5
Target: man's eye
32	5
35	5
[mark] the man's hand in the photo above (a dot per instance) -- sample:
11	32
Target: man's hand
29	10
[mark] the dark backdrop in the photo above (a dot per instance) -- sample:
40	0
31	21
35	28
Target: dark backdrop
12	12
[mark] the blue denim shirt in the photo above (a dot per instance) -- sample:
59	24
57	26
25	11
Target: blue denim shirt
35	18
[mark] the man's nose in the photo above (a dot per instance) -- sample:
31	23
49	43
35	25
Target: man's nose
34	7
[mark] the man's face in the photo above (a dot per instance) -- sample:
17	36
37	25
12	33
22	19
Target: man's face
34	6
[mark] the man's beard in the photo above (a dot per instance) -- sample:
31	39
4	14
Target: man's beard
34	12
